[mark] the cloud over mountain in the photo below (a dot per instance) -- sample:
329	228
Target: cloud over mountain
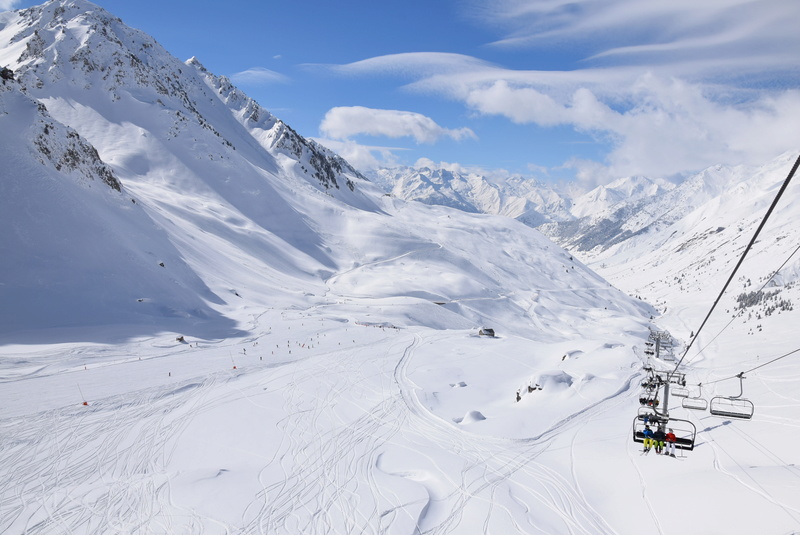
348	121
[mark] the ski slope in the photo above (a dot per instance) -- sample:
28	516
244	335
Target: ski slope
319	422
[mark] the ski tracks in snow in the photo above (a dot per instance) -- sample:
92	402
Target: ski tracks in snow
744	478
97	468
356	452
336	419
359	453
500	479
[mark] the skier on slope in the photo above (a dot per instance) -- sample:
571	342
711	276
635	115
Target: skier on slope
648	438
671	439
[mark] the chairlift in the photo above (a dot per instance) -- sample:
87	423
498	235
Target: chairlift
649	400
649	415
733	406
685	431
741	409
695	403
649	385
679	391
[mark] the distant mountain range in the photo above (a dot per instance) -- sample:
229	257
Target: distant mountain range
526	200
628	220
583	222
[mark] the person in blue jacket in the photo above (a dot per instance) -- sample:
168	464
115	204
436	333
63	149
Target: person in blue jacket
648	438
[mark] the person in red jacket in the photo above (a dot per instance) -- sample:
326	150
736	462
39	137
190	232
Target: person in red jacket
670	439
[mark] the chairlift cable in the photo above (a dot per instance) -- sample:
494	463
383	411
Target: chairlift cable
771	361
741	312
754	369
741	259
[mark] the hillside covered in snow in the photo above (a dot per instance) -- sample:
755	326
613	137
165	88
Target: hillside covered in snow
211	324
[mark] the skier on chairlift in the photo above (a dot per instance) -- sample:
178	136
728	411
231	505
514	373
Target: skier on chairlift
648	438
671	439
658	439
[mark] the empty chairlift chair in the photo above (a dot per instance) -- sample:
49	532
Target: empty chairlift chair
695	403
733	406
679	391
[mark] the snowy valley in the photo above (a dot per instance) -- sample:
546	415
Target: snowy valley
211	324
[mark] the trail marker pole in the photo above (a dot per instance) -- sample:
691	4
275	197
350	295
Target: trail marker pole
82	396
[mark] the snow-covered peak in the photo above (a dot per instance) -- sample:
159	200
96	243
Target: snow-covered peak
67	52
72	38
327	168
623	190
523	199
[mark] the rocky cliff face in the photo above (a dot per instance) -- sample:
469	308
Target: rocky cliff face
73	50
51	143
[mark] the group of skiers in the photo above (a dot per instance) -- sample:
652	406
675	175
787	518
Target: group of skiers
658	439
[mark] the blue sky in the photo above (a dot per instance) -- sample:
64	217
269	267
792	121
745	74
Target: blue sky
553	89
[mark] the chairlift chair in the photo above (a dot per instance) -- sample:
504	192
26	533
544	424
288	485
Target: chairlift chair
649	400
685	431
695	403
733	406
726	407
679	392
649	385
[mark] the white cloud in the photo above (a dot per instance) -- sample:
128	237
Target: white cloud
669	85
447	166
708	29
667	126
520	104
258	76
6	5
413	64
493	175
346	122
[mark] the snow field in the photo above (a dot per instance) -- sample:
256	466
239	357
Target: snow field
358	434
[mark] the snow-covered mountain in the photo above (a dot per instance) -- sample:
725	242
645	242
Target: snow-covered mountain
632	206
190	155
597	219
632	218
211	324
628	190
685	257
526	200
169	132
77	248
671	244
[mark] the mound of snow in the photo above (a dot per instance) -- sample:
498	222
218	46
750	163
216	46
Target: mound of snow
470	418
557	380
